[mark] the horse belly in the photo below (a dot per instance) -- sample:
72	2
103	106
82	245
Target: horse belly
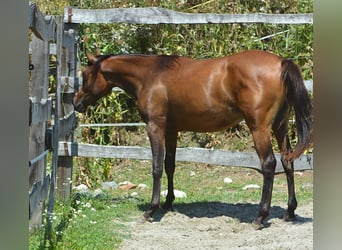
207	122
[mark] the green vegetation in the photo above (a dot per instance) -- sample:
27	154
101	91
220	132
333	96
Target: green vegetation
89	223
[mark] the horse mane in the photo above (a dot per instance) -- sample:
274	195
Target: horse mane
167	62
162	61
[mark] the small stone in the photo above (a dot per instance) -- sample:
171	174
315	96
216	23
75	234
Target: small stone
82	191
109	185
251	186
308	185
227	180
192	173
124	183
178	193
98	193
81	188
142	186
128	186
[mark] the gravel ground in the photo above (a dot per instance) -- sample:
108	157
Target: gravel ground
221	226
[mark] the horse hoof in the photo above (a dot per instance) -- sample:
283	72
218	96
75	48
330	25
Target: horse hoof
141	220
167	206
257	225
147	217
289	217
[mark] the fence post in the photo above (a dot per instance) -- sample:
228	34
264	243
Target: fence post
37	171
66	81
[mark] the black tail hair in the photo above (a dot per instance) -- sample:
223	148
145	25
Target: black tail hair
298	97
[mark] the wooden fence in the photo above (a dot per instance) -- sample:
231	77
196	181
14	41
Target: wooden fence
51	117
56	135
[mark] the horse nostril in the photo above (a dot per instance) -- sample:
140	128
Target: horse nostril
79	107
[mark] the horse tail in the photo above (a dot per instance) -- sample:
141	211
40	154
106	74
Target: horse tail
297	96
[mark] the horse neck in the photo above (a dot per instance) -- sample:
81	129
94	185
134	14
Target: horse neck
127	72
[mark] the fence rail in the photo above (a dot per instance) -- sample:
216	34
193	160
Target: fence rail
201	155
156	15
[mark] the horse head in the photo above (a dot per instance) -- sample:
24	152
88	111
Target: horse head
94	85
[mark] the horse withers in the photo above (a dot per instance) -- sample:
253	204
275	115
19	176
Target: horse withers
177	93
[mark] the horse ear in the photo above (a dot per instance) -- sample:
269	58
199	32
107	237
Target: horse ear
91	58
97	52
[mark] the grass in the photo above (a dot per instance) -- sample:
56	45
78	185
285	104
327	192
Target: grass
100	223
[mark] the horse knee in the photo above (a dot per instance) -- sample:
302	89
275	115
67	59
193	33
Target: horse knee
268	166
157	173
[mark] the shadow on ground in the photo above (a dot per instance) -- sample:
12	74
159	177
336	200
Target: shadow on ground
244	212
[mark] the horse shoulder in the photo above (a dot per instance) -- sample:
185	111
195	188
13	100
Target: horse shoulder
152	101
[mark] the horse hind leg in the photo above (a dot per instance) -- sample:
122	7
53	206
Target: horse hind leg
284	147
262	142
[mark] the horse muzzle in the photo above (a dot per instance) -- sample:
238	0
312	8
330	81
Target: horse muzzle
79	107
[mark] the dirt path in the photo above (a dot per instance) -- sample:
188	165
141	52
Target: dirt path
221	226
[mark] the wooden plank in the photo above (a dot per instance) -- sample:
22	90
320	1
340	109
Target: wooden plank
39	90
234	158
209	156
52	49
37	198
40	111
69	38
67	125
38	195
67	75
156	15
44	27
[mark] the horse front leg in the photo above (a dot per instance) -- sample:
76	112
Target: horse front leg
171	145
157	137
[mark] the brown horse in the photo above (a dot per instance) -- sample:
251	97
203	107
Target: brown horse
177	93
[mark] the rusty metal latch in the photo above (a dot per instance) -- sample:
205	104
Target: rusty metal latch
66	149
69	15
